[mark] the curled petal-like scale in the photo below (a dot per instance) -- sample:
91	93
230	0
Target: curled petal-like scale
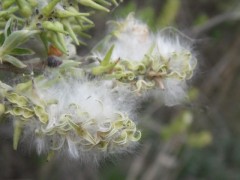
121	139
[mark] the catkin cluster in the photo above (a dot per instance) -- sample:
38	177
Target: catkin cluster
158	63
86	108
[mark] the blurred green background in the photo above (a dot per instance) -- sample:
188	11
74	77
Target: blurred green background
194	141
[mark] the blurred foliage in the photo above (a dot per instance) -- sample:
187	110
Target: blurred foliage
201	19
179	125
168	13
206	148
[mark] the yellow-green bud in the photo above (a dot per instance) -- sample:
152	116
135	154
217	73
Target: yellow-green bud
7	3
66	14
25	8
53	27
9	11
92	4
47	10
33	3
68	27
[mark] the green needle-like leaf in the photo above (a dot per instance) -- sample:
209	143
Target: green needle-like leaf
15	39
21	51
17	133
108	56
92	4
14	61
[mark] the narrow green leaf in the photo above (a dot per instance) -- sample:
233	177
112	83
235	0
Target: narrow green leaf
85	35
14	61
55	27
8	12
44	38
15	39
92	4
21	51
7	3
69	63
70	31
107	58
17	131
67	14
2	38
33	3
7	29
103	2
24	8
49	7
60	42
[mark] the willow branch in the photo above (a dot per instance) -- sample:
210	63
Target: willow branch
215	21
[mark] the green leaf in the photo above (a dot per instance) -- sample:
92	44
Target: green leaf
14	61
92	4
21	51
69	63
17	131
106	65
57	40
7	30
103	2
107	58
46	10
44	39
15	39
2	38
4	14
55	27
7	3
70	31
24	8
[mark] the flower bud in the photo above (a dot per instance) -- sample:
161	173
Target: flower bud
66	14
47	10
7	3
56	26
33	3
24	8
92	4
9	11
69	29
